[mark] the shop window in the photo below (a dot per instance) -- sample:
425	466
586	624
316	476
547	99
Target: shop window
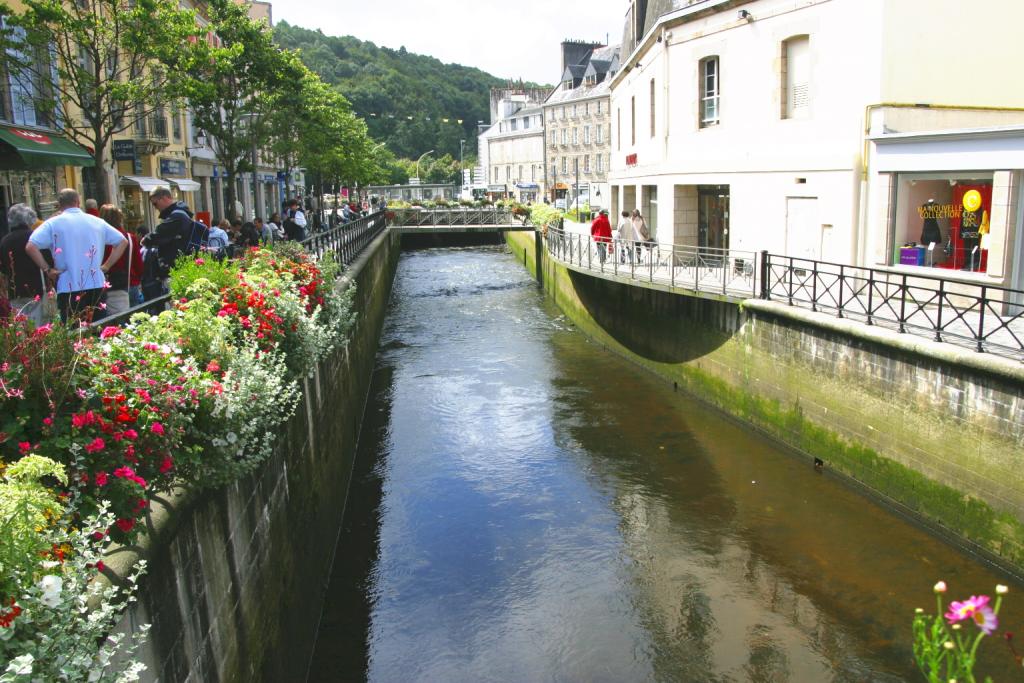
796	77
709	91
942	220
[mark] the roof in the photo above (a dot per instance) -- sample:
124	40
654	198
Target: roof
603	62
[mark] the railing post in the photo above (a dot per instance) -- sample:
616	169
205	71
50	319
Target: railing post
590	262
871	293
725	272
842	281
814	286
650	265
790	280
672	268
942	300
765	274
903	305
981	319
615	260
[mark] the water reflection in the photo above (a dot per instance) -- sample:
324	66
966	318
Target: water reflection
539	509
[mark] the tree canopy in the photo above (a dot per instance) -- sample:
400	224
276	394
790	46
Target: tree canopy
411	102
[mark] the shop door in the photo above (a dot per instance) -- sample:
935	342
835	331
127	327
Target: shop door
713	217
803	230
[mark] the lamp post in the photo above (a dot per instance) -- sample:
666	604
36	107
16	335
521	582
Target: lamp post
462	172
418	163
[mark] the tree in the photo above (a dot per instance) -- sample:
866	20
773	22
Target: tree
93	67
235	79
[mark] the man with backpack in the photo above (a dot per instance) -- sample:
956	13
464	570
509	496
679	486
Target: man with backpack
176	234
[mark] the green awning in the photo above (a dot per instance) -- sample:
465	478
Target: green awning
34	149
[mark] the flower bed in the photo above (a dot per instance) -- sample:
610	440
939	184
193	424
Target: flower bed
95	426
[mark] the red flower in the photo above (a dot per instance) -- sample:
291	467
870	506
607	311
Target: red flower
157	428
109	332
124	525
166	465
101	478
95	446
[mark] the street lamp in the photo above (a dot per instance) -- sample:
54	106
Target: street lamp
418	163
462	172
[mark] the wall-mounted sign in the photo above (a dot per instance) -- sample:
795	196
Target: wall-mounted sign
496	188
631	159
172	167
940	210
137	166
123	150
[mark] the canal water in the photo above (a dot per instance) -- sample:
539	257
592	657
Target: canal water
530	507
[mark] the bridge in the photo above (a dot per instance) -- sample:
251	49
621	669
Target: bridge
458	220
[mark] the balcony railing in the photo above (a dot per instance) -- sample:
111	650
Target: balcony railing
152	128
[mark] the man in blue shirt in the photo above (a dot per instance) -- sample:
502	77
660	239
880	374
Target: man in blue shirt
76	240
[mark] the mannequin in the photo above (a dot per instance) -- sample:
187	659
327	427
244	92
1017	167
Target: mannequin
930	231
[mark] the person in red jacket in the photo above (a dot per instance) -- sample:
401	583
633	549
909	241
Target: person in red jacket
126	273
601	233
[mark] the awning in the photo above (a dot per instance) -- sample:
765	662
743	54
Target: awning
144	183
37	150
561	186
184	184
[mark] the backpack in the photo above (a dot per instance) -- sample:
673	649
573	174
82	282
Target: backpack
198	233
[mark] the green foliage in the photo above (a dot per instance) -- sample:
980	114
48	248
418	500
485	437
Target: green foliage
544	215
57	46
26	507
413	102
220	273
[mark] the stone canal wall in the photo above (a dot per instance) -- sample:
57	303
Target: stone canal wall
933	431
236	577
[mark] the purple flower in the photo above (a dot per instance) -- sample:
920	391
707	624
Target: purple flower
976	609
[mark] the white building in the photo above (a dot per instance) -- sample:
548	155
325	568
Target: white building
816	128
511	149
578	124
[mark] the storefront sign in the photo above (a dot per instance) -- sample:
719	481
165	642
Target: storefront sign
172	167
972	200
137	166
496	188
631	159
940	210
32	136
123	150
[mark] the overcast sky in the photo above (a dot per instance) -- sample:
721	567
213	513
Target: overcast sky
509	39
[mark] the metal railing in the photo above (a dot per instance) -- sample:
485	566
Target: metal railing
345	242
978	316
451	217
725	272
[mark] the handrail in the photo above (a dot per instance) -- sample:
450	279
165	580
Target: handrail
449	217
986	318
722	272
345	241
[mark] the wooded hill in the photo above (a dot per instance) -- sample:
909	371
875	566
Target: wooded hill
404	97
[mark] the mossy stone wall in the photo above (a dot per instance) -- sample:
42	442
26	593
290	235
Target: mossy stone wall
939	439
237	576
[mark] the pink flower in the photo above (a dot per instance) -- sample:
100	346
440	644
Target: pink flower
157	428
43	330
975	608
131	434
95	446
100	478
200	261
58	250
110	331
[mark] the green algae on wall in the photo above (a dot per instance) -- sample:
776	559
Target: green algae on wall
832	407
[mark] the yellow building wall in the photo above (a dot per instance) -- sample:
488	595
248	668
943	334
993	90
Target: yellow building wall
952	52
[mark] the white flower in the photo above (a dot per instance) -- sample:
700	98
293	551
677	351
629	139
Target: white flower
1001	589
51	586
940	587
21	666
232	437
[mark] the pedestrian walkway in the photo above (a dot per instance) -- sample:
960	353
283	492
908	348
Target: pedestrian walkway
978	317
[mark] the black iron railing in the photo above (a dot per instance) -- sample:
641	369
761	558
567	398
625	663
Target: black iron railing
983	317
414	217
345	242
721	272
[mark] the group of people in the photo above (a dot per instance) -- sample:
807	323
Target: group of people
95	267
632	235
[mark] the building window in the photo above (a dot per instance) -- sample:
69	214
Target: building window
599	130
567	85
586	163
554	170
565	165
709	91
575	136
533	173
599	107
520	176
514	124
495	175
526	123
176	123
600	163
565	136
574	111
942	220
796	77
508	173
552	137
586	135
563	113
632	120
586	108
652	108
